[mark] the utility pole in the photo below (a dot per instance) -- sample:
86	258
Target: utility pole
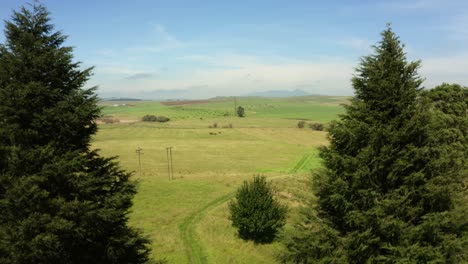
235	106
139	151
170	169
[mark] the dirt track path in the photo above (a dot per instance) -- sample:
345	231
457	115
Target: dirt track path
193	247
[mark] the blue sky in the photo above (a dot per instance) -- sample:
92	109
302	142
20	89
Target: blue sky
200	49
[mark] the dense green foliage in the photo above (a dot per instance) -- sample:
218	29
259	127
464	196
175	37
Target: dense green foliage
240	111
255	212
301	124
395	169
316	126
60	202
153	118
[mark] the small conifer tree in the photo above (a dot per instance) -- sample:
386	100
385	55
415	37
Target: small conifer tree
255	212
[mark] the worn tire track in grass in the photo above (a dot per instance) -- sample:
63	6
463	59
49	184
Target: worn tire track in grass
301	163
193	247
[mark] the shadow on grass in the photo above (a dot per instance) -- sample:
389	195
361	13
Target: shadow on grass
265	237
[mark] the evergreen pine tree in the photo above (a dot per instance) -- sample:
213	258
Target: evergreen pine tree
255	212
60	202
391	190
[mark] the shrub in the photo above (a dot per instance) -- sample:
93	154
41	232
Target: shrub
162	119
153	118
149	118
240	111
301	124
255	212
316	126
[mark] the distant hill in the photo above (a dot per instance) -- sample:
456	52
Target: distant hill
121	99
279	93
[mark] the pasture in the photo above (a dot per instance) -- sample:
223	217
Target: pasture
187	217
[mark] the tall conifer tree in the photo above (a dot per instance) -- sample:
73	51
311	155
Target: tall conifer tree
391	190
60	202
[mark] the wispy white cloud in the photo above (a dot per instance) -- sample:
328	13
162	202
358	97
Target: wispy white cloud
115	69
159	39
240	74
358	44
218	74
452	69
453	15
412	5
235	74
106	52
139	76
424	5
457	26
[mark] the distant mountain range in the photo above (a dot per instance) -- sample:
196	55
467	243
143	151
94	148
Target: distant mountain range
184	94
118	99
280	93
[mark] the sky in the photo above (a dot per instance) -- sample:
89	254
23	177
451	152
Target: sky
155	49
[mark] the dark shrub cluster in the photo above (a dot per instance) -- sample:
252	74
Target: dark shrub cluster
240	111
301	124
316	126
154	118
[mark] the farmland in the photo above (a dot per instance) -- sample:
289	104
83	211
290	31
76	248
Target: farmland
213	152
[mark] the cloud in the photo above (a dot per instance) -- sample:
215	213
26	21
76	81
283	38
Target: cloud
240	74
412	5
358	44
115	69
167	37
163	94
160	39
132	72
451	69
423	5
139	76
457	26
196	57
106	52
236	74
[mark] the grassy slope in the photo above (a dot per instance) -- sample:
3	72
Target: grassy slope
187	218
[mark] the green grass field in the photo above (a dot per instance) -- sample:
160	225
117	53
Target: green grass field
187	218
